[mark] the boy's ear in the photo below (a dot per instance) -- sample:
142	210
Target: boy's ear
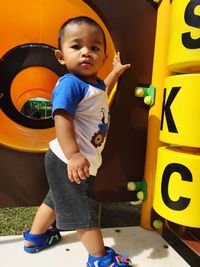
59	56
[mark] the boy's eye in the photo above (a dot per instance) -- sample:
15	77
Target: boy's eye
95	49
76	46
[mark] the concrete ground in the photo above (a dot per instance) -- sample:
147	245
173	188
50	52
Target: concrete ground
145	248
120	231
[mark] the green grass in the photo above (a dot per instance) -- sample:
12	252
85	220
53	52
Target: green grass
14	221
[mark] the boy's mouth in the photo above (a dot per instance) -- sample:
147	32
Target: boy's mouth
86	63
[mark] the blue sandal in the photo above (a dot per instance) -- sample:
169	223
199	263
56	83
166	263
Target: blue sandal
113	258
42	241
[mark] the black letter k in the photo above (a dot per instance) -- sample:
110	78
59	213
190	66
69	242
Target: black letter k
166	109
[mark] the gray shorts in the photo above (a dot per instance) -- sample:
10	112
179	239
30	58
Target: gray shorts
76	205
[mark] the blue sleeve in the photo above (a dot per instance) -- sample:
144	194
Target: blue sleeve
67	94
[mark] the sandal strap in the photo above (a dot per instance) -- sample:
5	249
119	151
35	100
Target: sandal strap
118	259
112	259
39	239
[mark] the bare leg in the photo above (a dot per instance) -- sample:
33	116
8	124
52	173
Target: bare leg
44	217
93	241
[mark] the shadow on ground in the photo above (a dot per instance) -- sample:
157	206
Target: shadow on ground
120	214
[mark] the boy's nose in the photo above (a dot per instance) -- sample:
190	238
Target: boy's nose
86	52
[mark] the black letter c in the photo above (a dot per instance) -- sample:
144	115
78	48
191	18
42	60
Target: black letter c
186	175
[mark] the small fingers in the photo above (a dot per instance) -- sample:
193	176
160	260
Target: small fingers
70	175
73	176
82	174
127	66
118	55
87	171
116	58
76	177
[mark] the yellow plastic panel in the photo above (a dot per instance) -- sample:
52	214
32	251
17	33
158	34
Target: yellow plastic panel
184	44
180	124
177	186
159	73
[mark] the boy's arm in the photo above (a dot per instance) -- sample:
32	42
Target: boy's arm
113	76
78	165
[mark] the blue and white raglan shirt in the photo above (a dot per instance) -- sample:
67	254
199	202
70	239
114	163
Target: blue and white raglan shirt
87	103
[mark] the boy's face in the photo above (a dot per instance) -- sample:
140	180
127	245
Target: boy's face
82	50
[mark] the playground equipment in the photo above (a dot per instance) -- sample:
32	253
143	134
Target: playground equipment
173	155
147	92
153	143
177	177
31	46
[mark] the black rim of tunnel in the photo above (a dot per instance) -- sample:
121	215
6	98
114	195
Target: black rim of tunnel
16	60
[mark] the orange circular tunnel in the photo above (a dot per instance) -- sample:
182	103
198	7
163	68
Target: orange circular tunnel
34	24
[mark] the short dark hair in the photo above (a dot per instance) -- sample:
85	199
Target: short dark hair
76	20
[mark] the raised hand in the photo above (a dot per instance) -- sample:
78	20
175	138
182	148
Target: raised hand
118	67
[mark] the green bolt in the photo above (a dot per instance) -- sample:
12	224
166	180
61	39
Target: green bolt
139	186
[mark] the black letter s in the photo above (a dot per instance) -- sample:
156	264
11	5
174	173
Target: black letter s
192	20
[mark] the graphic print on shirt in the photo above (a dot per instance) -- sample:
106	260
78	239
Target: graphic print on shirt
98	138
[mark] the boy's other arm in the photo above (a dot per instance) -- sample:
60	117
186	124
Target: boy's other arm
113	76
78	165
